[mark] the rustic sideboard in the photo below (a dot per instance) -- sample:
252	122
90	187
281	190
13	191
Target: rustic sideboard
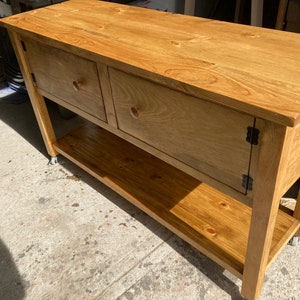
195	121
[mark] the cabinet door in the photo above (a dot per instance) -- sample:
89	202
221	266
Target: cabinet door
66	76
208	137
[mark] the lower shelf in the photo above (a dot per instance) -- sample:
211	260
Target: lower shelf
214	223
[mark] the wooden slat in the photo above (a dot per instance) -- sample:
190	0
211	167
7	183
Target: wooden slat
107	97
283	4
189	7
257	7
252	69
214	223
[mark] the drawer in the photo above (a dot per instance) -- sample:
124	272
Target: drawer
205	136
68	77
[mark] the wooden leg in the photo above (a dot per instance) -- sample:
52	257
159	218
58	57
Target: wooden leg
257	7
238	11
264	210
297	211
39	106
281	14
189	7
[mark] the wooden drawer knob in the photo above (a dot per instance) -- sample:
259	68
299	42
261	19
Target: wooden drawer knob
76	85
134	112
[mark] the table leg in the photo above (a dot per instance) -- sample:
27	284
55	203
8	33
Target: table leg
264	210
297	211
283	4
189	7
257	7
38	101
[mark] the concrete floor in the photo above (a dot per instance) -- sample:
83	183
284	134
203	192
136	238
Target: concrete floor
63	235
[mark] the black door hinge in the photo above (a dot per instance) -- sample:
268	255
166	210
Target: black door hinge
252	135
247	182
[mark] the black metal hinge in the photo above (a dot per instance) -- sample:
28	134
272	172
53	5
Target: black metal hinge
247	182
252	135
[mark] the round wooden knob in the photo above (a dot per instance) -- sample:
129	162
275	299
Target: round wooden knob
134	112
76	85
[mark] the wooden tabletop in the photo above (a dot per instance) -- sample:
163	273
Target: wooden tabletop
250	69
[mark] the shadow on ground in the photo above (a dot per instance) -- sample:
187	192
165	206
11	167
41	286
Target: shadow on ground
11	284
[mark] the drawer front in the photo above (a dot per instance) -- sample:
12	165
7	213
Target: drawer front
207	137
68	77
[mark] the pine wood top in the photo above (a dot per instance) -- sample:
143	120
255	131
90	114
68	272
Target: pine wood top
251	69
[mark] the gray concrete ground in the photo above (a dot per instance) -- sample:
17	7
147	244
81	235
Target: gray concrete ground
63	235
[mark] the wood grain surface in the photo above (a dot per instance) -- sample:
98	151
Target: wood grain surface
251	69
201	134
68	77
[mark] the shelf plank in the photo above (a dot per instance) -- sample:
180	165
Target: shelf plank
212	222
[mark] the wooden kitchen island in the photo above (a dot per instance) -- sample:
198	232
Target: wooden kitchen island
195	121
